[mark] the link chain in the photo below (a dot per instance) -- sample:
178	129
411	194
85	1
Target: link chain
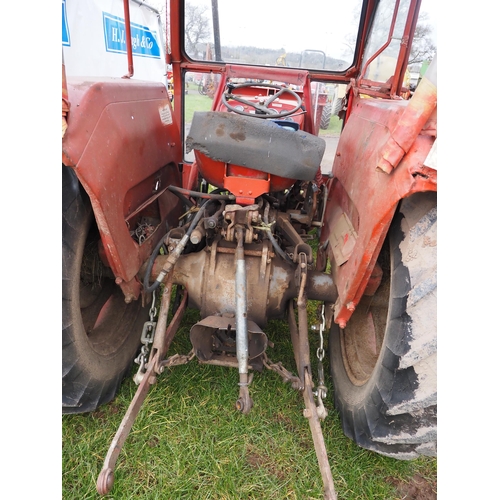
320	353
147	338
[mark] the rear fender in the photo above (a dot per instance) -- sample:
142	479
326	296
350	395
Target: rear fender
362	198
125	149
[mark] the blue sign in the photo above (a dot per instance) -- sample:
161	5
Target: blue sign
144	42
65	28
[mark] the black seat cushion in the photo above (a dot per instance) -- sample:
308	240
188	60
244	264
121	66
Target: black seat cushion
256	143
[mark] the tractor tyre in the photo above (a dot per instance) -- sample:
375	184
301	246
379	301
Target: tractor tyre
336	106
100	332
326	116
383	364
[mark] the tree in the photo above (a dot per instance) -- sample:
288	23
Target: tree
161	7
197	29
422	48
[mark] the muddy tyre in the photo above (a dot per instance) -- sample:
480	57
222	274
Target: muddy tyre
383	364
326	116
336	106
100	332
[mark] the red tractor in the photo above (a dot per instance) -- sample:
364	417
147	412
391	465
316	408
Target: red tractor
233	211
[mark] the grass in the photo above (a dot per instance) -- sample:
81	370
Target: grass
334	127
194	101
189	442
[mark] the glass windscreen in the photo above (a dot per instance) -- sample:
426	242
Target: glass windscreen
310	35
382	68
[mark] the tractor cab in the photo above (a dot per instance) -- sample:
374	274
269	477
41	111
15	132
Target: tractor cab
254	141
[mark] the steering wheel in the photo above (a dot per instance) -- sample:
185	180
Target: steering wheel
262	109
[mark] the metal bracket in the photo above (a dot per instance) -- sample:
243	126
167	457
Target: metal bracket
312	414
155	365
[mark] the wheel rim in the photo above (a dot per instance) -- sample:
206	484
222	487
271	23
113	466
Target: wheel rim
103	309
362	339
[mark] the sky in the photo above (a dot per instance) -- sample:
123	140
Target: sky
334	24
431	7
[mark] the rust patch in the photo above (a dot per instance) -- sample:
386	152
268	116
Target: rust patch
220	130
238	136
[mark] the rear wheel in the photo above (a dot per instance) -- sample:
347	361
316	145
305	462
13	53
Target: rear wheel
383	364
336	106
101	333
326	116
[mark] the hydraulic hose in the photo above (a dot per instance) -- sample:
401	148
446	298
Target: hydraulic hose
154	254
272	239
182	194
176	253
214	195
183	198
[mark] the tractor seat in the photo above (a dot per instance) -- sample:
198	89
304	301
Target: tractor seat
230	145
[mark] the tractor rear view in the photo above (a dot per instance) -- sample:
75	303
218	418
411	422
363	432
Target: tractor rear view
234	210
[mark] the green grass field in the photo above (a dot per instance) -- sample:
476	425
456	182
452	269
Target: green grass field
189	442
195	102
334	127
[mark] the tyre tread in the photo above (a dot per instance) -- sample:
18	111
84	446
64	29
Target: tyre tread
83	390
397	415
